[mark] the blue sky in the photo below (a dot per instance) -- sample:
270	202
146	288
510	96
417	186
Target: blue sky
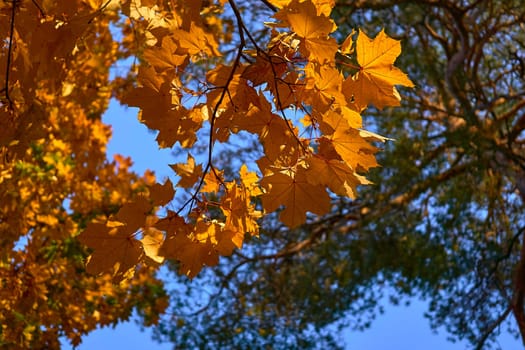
399	328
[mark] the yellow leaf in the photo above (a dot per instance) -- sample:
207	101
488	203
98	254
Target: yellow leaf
154	96
296	194
250	181
133	214
374	83
165	57
212	182
115	250
335	174
240	213
151	242
312	27
354	149
196	41
324	85
346	46
189	173
332	120
192	253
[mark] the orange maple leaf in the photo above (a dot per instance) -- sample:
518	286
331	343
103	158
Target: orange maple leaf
330	120
133	214
355	150
115	250
374	83
189	173
335	174
165	57
240	213
312	27
154	95
191	245
274	133
297	194
324	85
212	181
162	194
151	242
196	41
262	70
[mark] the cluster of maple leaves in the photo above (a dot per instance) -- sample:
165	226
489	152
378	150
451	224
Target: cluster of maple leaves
287	89
55	175
297	70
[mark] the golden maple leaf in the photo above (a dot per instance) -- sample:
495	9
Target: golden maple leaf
165	57
297	194
189	173
375	82
162	194
335	174
196	42
323	87
151	242
312	27
357	152
189	244
115	250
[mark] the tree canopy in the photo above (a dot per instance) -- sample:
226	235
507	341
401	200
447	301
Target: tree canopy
278	108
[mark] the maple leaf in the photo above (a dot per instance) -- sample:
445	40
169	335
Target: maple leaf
312	27
151	242
340	117
297	194
374	83
250	181
347	45
335	174
115	250
228	238
262	70
353	148
133	215
324	84
154	96
240	94
175	124
162	194
323	6
165	57
196	41
183	244
238	209
212	182
274	133
189	173
287	91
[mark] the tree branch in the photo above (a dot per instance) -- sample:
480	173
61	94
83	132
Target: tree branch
10	53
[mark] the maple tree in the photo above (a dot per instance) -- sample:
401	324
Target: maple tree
444	221
297	68
67	210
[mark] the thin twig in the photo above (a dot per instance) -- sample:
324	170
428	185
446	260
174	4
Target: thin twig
270	5
39	8
9	53
488	331
225	91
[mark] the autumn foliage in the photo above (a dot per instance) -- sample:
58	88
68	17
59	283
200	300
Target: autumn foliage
300	91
